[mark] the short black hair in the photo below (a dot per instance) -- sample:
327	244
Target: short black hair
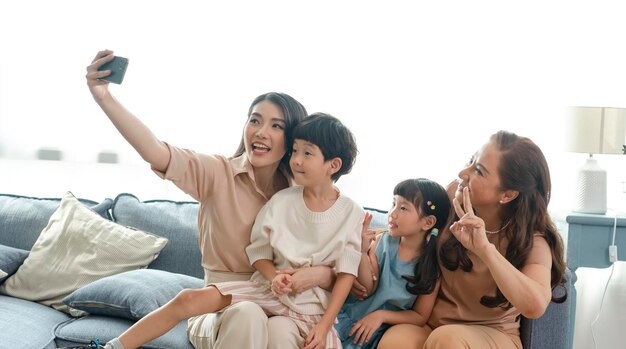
333	138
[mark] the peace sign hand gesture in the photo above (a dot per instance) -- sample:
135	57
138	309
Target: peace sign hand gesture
469	229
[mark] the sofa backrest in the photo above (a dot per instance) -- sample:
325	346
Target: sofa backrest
178	221
22	218
175	220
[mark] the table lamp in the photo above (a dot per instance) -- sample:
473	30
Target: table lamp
594	130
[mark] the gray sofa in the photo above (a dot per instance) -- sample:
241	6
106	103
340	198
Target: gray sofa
26	324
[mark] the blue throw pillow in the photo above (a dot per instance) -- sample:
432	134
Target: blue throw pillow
132	294
10	260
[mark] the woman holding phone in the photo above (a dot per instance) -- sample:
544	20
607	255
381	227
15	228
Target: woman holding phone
230	190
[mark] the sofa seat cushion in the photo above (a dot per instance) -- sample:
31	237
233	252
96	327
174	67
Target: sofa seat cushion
175	220
85	329
76	248
131	295
24	217
28	324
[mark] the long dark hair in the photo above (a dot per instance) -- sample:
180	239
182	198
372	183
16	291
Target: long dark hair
293	111
523	168
429	198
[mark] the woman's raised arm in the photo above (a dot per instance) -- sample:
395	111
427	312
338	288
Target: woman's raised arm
149	147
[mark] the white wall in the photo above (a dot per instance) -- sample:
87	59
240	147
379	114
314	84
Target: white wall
422	85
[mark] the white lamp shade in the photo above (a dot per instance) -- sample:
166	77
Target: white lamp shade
596	130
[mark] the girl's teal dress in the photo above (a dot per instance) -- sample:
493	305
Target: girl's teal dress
391	293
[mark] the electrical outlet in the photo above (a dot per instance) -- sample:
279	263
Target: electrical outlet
613	253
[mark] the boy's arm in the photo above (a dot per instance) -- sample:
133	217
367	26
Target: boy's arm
266	267
306	278
338	296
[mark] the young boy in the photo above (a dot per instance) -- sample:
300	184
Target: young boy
306	225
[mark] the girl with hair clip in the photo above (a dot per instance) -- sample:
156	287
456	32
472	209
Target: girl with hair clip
398	267
500	259
231	191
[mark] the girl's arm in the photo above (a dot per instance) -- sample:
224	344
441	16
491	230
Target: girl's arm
280	283
367	326
368	269
423	307
151	149
317	336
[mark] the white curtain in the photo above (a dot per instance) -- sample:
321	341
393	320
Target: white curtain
600	311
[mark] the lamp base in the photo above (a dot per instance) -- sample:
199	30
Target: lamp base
591	188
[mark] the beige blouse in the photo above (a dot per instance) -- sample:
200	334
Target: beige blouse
229	202
458	301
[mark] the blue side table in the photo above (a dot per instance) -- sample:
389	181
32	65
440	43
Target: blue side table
588	240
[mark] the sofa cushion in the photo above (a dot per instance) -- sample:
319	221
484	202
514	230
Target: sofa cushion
10	259
20	319
83	330
177	221
131	295
553	329
23	218
76	248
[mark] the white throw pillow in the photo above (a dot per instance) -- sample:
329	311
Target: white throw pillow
78	247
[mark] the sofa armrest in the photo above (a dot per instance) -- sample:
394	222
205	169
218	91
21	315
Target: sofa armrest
552	330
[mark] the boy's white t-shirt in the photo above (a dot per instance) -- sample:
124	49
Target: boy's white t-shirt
292	236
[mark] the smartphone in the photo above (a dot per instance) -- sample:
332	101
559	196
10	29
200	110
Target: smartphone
118	67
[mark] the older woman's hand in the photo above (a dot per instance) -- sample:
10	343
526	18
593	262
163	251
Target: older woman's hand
469	229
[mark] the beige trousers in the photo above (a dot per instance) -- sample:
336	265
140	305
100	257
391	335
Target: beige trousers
242	325
448	337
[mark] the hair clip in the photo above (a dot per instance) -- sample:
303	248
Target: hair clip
434	232
431	205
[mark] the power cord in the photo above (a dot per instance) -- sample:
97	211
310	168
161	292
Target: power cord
612	259
613	247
